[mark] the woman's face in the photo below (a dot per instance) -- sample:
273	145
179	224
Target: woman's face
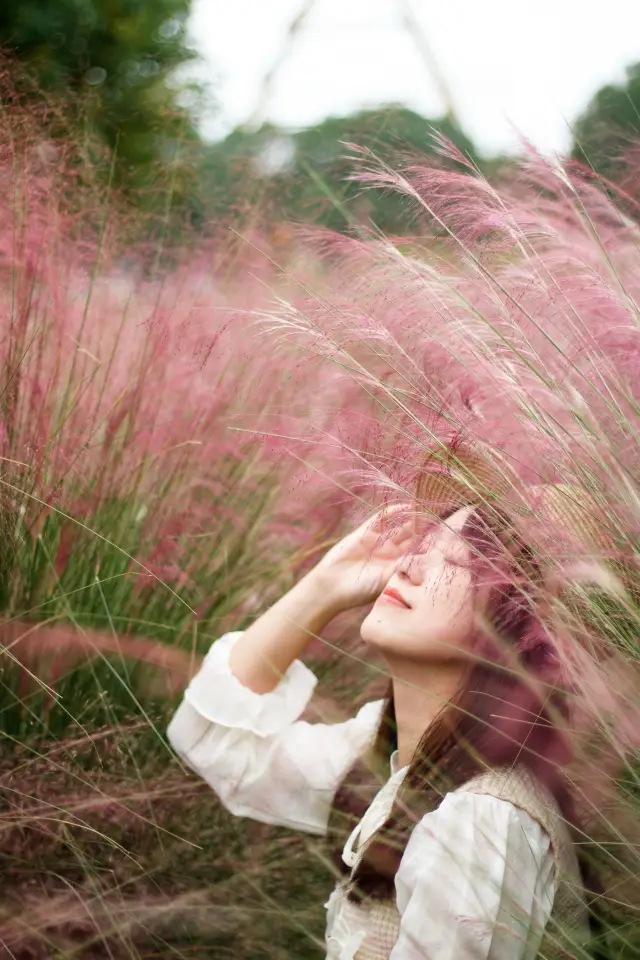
428	608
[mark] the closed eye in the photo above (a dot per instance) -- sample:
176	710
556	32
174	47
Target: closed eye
457	554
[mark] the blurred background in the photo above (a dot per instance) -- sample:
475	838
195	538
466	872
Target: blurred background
166	468
245	107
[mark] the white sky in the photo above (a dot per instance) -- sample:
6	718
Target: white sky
511	65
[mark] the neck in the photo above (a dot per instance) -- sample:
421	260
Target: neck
420	692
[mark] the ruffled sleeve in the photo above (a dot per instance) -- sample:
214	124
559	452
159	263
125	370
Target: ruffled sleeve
254	751
220	698
476	882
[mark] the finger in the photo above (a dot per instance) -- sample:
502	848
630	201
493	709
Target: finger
390	534
404	529
393	516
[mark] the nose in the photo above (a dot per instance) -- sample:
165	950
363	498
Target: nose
411	568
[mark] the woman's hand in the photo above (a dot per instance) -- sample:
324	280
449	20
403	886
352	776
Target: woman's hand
356	570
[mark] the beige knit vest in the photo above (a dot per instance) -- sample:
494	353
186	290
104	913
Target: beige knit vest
568	927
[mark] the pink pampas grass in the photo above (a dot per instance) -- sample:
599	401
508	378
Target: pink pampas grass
512	329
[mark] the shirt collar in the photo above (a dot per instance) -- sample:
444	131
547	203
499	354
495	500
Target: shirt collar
394	764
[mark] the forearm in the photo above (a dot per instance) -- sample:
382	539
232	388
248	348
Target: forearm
270	645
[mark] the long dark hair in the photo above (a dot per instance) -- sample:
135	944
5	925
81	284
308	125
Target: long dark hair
511	710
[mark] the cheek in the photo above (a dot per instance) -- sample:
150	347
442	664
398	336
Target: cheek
448	594
447	612
443	619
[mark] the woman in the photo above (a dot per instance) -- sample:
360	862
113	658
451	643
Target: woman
463	847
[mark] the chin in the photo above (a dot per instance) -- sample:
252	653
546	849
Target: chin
379	630
383	630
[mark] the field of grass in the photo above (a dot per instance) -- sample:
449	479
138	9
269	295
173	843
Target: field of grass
148	503
180	436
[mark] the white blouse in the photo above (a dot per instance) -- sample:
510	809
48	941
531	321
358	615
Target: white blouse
476	880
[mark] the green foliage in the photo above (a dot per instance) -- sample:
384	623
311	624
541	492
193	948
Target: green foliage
610	125
111	64
303	176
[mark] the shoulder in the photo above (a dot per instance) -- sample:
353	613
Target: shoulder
478	838
524	791
483	818
477	872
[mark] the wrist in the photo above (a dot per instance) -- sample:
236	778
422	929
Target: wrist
318	598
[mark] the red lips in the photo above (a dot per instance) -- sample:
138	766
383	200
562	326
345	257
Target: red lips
393	594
